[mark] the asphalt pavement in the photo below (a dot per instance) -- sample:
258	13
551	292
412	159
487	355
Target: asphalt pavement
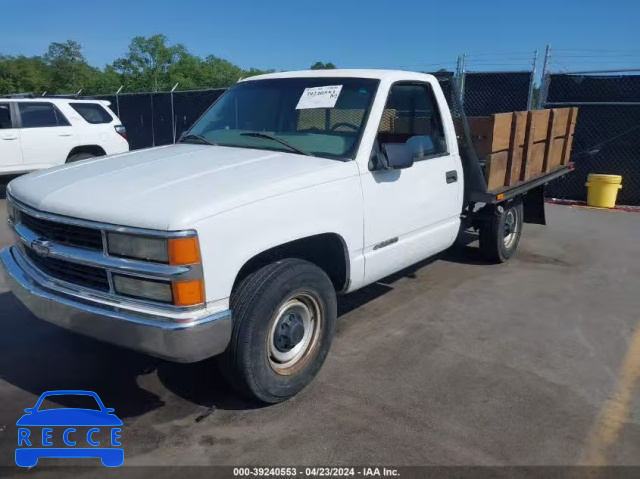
453	362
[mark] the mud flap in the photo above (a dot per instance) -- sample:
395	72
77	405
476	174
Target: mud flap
533	204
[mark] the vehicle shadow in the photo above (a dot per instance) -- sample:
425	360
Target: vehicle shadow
464	251
36	356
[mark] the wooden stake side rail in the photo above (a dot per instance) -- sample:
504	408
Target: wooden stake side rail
521	187
522	145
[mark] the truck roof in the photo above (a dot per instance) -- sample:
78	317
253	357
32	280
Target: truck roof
393	75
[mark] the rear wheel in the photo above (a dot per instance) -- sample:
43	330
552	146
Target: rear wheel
283	321
500	235
79	156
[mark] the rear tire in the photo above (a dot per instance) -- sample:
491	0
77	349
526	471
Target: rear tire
80	156
284	317
500	235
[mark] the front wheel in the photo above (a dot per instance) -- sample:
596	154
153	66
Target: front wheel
500	234
283	321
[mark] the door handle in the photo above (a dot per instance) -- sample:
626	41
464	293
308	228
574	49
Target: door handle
452	176
65	134
10	137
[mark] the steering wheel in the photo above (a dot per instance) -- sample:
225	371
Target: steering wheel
348	125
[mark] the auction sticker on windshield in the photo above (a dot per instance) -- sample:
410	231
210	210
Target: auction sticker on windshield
319	97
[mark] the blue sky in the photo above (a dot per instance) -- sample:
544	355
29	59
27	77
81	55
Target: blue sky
407	34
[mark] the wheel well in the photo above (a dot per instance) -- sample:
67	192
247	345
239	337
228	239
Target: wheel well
94	150
328	251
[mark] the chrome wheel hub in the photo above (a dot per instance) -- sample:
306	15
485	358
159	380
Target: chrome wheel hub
511	227
294	333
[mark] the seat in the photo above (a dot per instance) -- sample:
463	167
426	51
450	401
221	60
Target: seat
397	130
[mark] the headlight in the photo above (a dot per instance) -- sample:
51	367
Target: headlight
143	288
176	251
173	251
13	213
138	247
179	293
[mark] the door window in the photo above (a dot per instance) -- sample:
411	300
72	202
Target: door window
5	116
411	117
40	115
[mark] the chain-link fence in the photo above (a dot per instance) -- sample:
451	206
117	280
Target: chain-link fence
154	119
486	93
607	135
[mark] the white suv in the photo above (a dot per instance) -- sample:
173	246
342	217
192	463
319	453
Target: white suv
45	132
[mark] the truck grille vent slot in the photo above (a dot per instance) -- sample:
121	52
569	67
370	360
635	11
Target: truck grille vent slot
63	233
79	274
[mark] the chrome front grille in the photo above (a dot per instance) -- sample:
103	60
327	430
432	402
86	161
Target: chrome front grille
71	252
78	274
71	235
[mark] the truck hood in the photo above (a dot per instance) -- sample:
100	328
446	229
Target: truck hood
172	187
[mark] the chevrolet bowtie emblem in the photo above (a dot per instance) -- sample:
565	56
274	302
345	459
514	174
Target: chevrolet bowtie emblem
41	247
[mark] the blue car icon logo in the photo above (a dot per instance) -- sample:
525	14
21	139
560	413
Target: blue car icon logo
80	432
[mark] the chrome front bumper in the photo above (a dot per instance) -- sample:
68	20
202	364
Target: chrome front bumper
183	340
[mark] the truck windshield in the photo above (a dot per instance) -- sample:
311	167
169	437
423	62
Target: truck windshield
318	116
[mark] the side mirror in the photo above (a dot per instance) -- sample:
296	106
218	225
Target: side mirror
29	410
398	156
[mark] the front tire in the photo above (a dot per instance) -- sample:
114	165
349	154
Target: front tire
284	317
500	235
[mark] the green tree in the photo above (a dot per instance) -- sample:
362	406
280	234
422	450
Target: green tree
146	66
69	70
151	64
105	81
323	66
23	74
255	71
188	72
212	72
221	73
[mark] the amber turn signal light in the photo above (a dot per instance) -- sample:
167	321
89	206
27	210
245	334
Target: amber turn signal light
184	251
188	293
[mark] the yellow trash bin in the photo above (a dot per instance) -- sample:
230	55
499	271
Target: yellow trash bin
602	190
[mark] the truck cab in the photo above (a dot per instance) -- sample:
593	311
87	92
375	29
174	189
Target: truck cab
233	243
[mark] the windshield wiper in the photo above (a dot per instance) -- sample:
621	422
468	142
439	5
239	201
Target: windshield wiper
267	136
200	138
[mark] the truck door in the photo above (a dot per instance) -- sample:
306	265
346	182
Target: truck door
413	213
10	152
